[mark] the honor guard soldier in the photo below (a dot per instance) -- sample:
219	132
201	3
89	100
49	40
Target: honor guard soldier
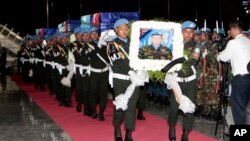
187	81
38	69
25	60
197	35
99	68
121	81
48	64
55	72
81	70
63	56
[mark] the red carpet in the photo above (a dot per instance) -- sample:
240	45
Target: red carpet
82	128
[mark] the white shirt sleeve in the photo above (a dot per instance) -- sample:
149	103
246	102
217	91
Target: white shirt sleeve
227	53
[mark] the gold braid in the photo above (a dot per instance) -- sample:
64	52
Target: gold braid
62	51
122	54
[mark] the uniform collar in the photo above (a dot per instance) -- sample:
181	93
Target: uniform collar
124	39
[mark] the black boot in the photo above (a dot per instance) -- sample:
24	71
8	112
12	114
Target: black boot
140	115
184	136
86	111
101	117
171	135
128	135
118	133
79	107
68	103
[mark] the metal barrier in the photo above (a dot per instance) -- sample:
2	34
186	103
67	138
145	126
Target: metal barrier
10	39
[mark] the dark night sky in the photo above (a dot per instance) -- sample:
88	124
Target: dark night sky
25	18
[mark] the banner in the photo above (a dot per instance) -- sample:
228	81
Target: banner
42	32
69	25
105	20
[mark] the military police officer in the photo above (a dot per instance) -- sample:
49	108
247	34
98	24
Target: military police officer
121	82
81	67
47	64
99	67
187	81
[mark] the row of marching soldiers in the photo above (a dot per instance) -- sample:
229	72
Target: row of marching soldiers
55	63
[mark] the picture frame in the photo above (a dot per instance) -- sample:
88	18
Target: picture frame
141	36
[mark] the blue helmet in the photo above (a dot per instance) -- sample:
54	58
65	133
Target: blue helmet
120	22
77	30
188	24
92	29
197	31
220	31
208	30
61	35
85	30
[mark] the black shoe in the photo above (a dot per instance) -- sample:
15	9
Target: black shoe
61	103
51	93
140	115
42	88
94	116
68	104
36	87
184	136
101	117
118	134
171	135
87	113
79	107
128	135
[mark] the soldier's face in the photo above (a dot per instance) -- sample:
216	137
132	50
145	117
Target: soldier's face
197	37
64	40
94	36
156	39
188	34
214	36
203	37
78	36
85	37
122	31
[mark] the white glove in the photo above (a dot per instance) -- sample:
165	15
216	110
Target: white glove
139	77
101	43
66	82
204	54
70	67
121	102
30	73
186	105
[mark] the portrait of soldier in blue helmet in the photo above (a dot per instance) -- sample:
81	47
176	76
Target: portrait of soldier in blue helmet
155	44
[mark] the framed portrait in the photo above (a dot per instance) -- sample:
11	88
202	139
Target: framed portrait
154	44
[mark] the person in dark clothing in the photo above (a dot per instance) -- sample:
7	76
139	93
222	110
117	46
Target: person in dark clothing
121	68
188	82
3	60
19	63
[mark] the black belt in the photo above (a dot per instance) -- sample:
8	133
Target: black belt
243	75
